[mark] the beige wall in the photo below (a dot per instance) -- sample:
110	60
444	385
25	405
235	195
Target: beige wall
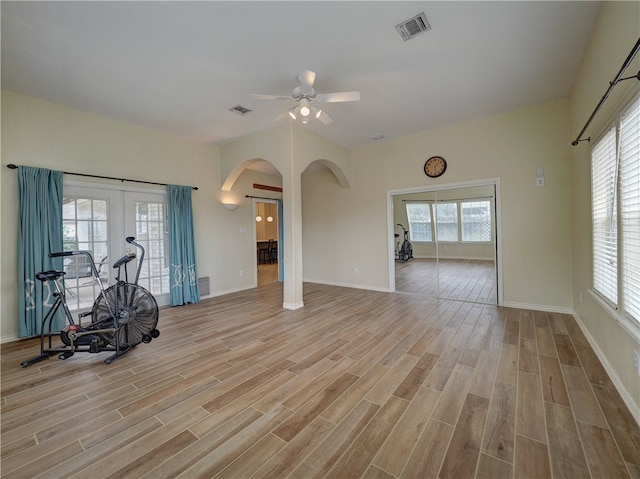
292	149
37	133
351	224
617	30
345	240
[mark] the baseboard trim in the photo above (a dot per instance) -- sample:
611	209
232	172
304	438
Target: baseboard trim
626	396
537	307
229	291
10	339
348	285
293	306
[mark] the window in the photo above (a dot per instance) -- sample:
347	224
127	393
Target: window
475	217
604	216
98	220
419	216
84	227
152	233
615	188
630	208
475	225
446	221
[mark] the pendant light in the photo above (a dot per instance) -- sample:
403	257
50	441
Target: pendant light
269	218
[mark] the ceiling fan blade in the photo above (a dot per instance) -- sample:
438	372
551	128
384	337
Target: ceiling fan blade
281	117
270	97
324	118
307	78
338	96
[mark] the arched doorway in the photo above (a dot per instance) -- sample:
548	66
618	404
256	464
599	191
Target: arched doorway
268	241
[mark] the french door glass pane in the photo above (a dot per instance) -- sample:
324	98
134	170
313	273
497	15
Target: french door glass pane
85	228
152	234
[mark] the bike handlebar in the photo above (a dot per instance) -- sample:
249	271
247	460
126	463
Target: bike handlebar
88	254
62	253
131	240
125	259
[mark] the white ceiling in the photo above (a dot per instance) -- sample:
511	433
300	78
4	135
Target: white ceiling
180	66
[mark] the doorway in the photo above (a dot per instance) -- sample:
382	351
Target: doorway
268	246
97	219
454	232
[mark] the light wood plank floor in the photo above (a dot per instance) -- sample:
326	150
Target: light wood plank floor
462	280
355	384
267	274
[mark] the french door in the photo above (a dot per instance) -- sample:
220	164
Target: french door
98	220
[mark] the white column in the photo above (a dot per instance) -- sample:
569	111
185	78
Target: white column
292	226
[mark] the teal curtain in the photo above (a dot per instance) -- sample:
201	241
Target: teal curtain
182	251
39	233
280	243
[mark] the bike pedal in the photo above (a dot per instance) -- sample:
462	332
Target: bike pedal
93	347
65	355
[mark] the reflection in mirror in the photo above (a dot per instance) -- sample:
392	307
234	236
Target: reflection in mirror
453	239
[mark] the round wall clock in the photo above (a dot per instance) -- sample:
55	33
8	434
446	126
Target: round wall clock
435	166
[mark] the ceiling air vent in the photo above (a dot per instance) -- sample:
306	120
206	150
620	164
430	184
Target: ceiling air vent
377	137
414	26
240	110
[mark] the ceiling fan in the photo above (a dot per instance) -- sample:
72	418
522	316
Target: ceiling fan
306	96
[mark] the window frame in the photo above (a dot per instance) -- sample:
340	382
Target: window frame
491	221
615	306
409	222
459	221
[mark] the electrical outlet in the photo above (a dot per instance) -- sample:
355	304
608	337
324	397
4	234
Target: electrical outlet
540	172
242	273
540	181
636	361
355	270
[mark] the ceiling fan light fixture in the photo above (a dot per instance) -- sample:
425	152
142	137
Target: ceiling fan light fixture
305	96
305	110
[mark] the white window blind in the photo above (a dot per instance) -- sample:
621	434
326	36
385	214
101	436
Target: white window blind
604	214
630	208
446	221
475	219
419	216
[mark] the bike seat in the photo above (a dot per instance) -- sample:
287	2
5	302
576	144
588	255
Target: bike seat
124	260
49	275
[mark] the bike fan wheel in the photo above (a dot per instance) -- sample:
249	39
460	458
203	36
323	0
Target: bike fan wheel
136	312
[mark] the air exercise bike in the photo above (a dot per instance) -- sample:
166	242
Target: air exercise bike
404	252
122	316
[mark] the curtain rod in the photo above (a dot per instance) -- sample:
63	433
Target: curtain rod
14	167
261	198
427	200
615	81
